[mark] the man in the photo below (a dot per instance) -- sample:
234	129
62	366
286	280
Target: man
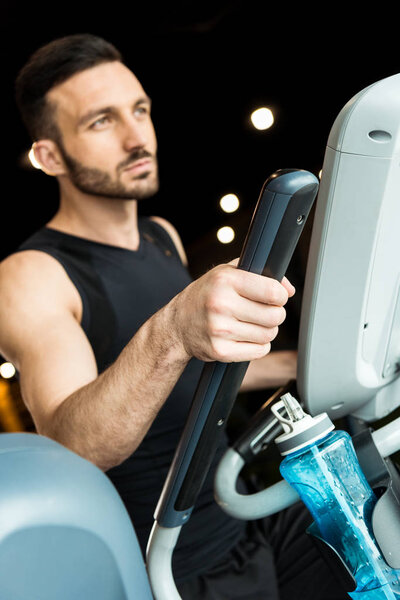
98	312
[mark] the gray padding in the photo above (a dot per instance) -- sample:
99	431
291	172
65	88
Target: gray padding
387	438
162	542
341	353
64	531
251	506
386	527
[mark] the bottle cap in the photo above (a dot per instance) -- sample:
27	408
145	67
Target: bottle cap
300	429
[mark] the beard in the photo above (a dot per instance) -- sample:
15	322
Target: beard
96	182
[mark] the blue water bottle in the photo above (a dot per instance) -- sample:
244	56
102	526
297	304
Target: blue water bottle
322	466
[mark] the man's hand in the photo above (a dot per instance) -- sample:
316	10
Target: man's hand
230	315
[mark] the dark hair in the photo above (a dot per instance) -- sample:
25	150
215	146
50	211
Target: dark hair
51	65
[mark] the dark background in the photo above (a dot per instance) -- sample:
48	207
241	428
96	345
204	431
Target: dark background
206	65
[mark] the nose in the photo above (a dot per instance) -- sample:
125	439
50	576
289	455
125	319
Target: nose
134	133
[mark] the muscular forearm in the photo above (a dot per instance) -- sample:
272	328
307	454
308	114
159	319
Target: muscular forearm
227	315
106	420
273	370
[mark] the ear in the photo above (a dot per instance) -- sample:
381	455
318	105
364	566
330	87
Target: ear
48	156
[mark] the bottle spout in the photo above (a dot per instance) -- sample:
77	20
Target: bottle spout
293	408
300	428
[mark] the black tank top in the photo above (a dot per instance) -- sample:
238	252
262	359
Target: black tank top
120	289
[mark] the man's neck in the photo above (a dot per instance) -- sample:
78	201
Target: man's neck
105	220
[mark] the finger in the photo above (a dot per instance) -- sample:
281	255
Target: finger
240	351
259	288
264	315
234	262
291	290
232	330
247	332
285	281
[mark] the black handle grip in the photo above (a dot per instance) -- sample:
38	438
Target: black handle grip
282	209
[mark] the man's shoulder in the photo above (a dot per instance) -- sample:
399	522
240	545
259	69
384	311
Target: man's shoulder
22	264
173	234
36	298
34	277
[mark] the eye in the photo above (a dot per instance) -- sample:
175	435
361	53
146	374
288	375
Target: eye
100	122
142	110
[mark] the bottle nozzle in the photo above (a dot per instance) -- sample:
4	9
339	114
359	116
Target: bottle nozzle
300	428
293	408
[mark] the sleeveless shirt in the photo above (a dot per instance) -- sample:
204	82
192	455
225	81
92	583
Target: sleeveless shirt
120	289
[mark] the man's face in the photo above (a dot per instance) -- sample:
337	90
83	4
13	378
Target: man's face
107	137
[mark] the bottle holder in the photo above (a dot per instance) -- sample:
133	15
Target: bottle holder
342	573
386	528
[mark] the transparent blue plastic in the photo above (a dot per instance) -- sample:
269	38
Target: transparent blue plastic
328	478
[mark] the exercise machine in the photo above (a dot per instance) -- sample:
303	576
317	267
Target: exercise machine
349	343
64	530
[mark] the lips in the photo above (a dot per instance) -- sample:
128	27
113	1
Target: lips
139	166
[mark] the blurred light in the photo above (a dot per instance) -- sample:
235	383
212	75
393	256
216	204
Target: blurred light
7	370
225	235
320	174
229	203
32	159
262	118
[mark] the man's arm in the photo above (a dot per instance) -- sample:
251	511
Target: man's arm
102	418
271	371
226	315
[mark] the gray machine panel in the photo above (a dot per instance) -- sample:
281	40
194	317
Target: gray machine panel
349	348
